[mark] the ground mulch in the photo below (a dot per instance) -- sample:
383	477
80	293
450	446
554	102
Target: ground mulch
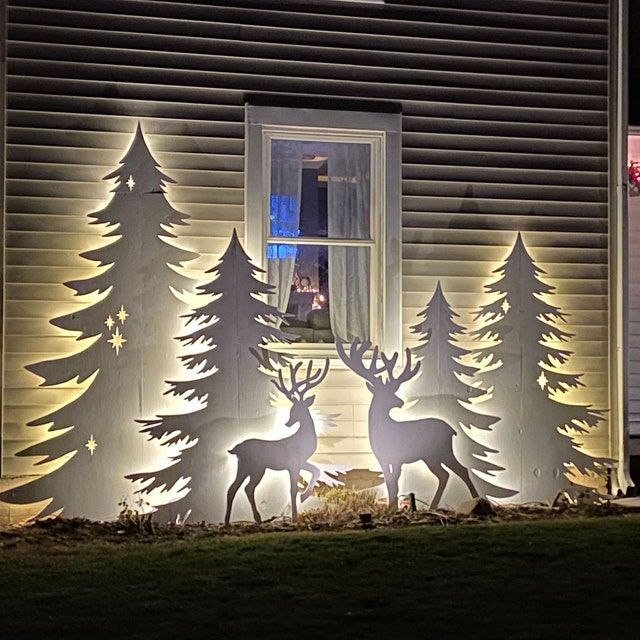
142	529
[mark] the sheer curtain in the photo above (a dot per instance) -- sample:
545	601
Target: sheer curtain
284	216
348	204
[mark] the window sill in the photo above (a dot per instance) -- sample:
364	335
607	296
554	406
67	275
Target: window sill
309	350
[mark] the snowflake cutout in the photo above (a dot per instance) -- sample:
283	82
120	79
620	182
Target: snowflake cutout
505	306
109	322
131	183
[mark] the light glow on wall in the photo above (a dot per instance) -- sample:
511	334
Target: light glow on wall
341	448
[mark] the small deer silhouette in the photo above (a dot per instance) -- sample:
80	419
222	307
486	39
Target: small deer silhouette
395	443
291	453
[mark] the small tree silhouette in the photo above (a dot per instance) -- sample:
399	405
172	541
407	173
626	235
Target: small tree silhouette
443	389
522	365
128	328
233	328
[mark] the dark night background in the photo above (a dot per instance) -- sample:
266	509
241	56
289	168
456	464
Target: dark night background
634	63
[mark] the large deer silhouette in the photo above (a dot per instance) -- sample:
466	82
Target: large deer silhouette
291	453
396	443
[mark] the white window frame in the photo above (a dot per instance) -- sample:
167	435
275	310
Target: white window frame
382	131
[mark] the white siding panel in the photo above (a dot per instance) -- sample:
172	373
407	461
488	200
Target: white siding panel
505	130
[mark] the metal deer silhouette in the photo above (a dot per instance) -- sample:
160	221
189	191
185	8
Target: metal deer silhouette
397	443
290	453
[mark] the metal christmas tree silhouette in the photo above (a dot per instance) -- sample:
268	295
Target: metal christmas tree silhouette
128	329
523	366
443	389
227	374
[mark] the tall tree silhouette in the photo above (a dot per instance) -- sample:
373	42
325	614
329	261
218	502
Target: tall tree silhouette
444	389
128	331
228	375
522	364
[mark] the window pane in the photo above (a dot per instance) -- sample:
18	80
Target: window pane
320	189
324	291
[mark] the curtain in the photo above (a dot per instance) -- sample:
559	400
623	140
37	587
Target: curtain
348	205
284	217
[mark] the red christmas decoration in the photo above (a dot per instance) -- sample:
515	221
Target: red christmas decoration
634	178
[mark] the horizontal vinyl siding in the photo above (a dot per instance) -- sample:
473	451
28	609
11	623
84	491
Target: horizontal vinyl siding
504	130
633	297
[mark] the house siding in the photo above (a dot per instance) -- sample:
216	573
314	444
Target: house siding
505	130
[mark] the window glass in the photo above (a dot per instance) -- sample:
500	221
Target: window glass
319	199
323	289
320	189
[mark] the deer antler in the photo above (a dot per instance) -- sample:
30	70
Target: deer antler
389	363
355	362
355	359
406	374
298	388
311	380
280	384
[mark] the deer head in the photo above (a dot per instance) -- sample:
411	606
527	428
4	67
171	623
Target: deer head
379	376
296	390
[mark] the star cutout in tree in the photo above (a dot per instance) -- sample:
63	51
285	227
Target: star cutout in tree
542	380
91	445
122	314
109	322
117	340
131	183
505	306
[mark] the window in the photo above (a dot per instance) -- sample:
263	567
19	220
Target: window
323	220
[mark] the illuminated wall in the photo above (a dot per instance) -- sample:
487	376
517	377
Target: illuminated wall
505	131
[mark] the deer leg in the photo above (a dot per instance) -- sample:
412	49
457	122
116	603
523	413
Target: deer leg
315	474
443	477
250	490
231	494
293	481
463	473
391	476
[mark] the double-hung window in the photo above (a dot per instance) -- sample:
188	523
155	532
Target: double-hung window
323	221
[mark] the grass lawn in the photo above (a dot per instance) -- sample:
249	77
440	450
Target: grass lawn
545	579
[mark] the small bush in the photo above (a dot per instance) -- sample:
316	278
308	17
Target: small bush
136	518
343	506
